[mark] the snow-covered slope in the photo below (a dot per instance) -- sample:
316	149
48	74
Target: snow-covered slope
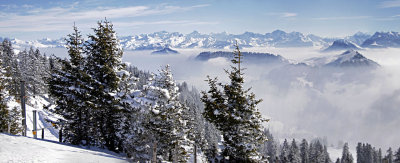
24	149
342	44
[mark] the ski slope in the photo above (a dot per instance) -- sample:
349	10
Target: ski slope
25	149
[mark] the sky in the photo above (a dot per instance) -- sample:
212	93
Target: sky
29	20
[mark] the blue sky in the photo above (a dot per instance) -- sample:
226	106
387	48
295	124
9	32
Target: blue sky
29	19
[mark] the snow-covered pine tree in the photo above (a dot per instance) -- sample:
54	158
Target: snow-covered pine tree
346	155
359	150
379	156
304	151
234	112
318	153
389	156
104	55
70	87
165	122
198	132
397	156
4	112
294	153
10	118
270	148
212	136
10	64
135	138
326	155
284	153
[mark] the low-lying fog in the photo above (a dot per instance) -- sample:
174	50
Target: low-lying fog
342	104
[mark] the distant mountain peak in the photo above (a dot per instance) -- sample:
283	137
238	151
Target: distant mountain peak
165	50
352	58
342	44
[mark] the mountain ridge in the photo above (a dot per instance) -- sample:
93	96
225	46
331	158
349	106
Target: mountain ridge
223	40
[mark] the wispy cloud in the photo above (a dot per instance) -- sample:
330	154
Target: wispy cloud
342	18
283	14
164	22
390	4
58	18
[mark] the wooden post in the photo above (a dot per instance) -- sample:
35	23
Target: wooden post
60	134
34	125
8	127
154	158
24	128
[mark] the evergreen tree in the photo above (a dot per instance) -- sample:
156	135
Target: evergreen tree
389	156
294	153
346	155
397	156
4	112
359	150
284	154
234	113
270	148
10	65
304	151
104	55
165	117
70	86
318	153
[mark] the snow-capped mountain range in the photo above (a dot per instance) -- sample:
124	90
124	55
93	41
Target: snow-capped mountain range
277	38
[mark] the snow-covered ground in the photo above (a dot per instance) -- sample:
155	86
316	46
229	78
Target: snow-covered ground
28	149
25	149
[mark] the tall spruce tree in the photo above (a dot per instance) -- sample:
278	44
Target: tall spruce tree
104	55
397	156
294	153
389	156
304	151
70	86
284	154
233	111
4	112
346	155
